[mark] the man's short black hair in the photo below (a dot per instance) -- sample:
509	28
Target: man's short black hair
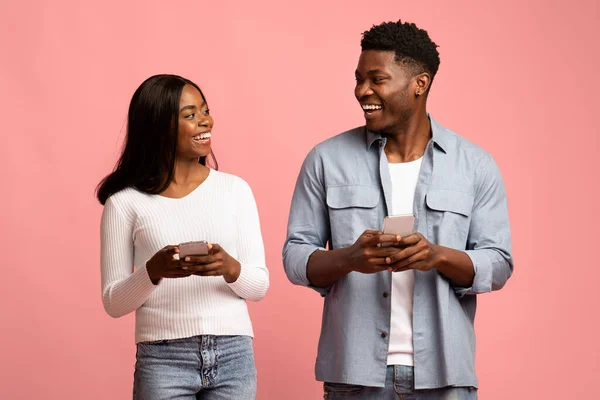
411	45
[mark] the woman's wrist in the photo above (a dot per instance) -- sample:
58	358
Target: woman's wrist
234	274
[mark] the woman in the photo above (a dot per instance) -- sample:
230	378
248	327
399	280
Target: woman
193	331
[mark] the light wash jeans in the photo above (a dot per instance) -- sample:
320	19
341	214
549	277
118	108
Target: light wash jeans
399	384
203	367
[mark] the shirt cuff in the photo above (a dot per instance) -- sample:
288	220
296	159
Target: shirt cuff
323	291
482	277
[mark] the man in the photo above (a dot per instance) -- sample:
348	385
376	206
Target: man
398	319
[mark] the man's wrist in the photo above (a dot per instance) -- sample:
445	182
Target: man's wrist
343	260
441	261
454	265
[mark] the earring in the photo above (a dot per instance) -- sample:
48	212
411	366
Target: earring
418	94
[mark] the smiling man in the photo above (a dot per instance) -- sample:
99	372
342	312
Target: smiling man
398	318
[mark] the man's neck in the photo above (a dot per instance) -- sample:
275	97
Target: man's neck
409	142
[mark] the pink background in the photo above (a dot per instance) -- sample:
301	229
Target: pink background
519	78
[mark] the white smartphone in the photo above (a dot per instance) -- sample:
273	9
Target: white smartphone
197	248
399	224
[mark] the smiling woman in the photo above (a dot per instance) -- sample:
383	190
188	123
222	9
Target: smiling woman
195	124
189	307
151	147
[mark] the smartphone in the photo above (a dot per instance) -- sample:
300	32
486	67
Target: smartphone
399	224
198	248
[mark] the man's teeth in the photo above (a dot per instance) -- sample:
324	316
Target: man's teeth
371	107
202	136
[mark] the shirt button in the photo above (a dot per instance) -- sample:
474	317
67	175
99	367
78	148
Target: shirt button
385	294
383	335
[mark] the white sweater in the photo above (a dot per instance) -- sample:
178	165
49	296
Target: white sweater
136	225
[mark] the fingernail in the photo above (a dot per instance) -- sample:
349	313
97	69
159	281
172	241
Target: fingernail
187	259
387	260
184	267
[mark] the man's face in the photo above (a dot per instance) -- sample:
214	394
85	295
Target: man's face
383	89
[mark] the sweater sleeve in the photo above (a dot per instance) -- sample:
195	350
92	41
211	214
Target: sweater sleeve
123	289
253	282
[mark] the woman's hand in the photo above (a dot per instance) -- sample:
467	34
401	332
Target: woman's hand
217	263
164	264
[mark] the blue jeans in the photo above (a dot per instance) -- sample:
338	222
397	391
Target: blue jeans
399	384
203	367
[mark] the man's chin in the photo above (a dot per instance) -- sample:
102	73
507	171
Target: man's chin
373	126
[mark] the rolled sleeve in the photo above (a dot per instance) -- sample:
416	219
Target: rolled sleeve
489	241
308	227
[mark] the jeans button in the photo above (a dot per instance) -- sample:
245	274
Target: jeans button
383	335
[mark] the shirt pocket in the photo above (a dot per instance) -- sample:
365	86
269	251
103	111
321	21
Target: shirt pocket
352	210
448	217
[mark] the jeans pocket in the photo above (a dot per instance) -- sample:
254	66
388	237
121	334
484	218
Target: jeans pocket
341	388
143	347
153	342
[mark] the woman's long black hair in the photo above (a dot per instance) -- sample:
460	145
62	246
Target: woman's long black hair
149	152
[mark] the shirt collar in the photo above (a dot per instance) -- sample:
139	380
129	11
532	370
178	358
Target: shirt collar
439	135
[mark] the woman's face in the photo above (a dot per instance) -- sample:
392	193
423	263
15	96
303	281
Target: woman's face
195	125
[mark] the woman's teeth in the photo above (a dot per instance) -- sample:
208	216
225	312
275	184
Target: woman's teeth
202	136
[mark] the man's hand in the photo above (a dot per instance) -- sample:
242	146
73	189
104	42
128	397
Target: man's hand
367	255
415	252
418	253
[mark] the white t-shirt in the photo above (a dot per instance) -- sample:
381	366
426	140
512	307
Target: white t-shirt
404	182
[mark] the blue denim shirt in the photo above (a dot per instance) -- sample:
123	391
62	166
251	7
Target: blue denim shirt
344	188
